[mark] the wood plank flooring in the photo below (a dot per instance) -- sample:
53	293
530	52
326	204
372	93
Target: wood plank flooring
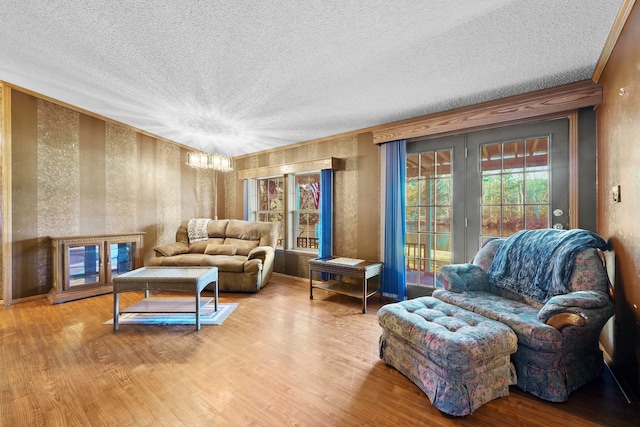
279	359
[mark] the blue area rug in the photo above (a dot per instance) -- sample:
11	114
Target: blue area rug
170	311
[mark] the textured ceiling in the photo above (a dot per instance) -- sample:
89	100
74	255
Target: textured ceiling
235	77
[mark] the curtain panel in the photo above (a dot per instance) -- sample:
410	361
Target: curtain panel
394	276
325	244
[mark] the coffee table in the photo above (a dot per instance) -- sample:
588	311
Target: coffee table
179	279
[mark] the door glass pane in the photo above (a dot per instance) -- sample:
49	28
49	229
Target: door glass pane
429	215
515	186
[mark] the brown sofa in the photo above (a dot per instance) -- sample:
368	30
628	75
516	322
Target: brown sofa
243	251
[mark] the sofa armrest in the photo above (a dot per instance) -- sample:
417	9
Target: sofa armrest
261	252
463	277
575	308
171	249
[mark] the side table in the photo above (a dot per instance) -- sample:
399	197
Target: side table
345	267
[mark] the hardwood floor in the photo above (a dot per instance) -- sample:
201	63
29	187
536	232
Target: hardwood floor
279	359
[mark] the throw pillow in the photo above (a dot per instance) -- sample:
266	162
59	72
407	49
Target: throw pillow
171	249
213	249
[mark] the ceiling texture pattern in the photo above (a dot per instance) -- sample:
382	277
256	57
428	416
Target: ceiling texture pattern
236	76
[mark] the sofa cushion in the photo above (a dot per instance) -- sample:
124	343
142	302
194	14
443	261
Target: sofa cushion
486	253
266	233
231	264
463	277
244	246
215	249
520	317
217	227
171	249
589	272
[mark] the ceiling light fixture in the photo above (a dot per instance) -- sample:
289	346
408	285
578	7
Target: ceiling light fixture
201	160
217	162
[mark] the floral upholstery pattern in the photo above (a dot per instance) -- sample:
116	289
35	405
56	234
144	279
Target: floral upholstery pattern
459	359
550	363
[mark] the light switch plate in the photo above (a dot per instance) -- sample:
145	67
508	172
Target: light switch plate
615	193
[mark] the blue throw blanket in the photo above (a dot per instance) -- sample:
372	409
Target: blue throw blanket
538	263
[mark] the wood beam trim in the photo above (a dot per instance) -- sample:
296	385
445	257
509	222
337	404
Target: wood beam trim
574	138
7	221
502	111
311	165
614	34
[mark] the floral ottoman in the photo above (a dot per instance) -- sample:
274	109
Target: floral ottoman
459	359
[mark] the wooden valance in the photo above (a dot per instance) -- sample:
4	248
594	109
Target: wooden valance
310	165
538	104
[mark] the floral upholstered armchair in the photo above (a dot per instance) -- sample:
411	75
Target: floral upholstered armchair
552	289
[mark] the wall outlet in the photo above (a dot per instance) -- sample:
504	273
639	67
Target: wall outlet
615	193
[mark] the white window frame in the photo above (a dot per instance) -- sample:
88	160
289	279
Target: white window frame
293	214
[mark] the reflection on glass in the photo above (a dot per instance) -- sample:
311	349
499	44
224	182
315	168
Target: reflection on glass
491	221
513	156
537	152
84	265
537	217
491	189
443	163
443	220
428	165
537	184
412	166
122	258
491	157
512	219
513	188
411	192
443	191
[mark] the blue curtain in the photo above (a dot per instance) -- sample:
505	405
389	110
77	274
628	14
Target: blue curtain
246	200
394	276
326	213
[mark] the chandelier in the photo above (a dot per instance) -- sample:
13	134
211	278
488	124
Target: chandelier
201	160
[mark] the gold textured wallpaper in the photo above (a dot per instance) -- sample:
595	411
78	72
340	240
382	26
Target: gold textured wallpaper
2	142
75	174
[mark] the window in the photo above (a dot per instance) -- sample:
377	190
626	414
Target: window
297	214
305	213
269	203
429	215
516	179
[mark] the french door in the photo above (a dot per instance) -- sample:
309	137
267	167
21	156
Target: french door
467	188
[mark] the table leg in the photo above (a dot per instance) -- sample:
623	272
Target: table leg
197	310
216	292
115	311
310	284
364	296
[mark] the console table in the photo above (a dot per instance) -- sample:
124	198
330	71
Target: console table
85	265
345	267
